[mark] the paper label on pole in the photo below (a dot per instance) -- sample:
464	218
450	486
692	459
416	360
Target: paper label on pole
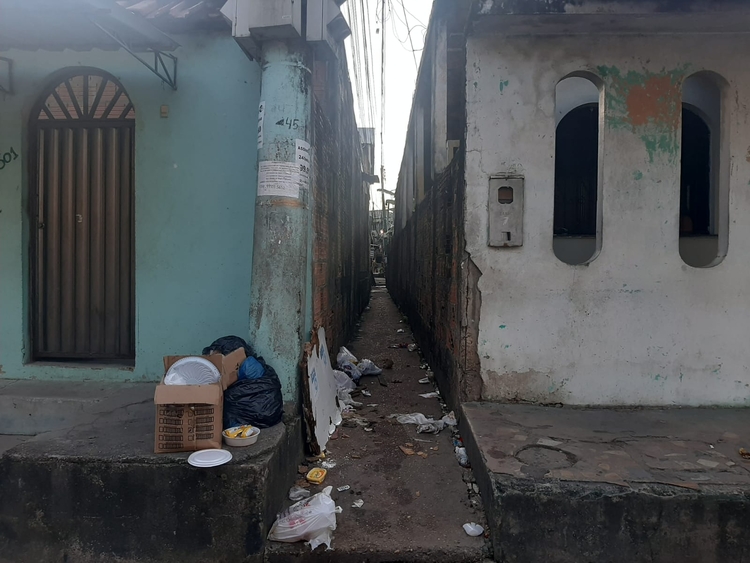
261	118
302	154
278	179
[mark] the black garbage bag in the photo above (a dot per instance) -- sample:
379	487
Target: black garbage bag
254	401
228	344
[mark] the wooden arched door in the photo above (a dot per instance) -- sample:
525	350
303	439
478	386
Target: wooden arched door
82	151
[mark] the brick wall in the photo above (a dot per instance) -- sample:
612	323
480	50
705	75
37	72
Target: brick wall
341	275
431	281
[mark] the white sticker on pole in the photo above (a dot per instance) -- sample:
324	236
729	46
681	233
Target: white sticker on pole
303	158
261	118
278	179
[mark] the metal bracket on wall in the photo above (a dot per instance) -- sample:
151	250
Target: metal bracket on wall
162	61
6	76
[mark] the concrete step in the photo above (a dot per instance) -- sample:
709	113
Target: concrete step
30	407
97	493
568	485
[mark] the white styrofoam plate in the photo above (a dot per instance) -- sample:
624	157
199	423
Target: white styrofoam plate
209	458
192	371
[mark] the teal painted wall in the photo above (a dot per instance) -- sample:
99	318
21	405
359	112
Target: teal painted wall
195	188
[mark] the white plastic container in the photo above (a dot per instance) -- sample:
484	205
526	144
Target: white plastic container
241	442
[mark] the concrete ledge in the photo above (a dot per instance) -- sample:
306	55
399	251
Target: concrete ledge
30	407
536	517
96	493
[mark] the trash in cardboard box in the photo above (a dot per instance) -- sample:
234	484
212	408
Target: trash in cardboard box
192	370
189	417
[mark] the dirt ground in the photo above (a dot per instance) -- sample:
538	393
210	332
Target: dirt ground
414	504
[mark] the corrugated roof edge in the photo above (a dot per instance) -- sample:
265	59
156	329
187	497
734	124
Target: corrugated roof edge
178	16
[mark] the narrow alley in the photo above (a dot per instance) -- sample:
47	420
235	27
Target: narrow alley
416	496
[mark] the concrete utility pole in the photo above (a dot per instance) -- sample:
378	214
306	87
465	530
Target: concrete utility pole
282	211
282	35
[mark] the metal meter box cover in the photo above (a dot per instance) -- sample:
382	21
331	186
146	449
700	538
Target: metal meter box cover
265	19
326	27
506	211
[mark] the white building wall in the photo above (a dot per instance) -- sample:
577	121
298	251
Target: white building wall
636	325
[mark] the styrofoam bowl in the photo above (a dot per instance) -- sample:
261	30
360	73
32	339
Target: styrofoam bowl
241	442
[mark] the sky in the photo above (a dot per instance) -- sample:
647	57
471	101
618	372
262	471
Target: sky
400	73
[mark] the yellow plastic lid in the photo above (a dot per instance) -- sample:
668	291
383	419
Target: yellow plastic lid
316	475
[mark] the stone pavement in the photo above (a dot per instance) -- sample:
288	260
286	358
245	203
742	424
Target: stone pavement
575	485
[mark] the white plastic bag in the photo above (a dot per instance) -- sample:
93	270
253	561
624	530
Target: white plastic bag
426	425
343	381
368	367
312	519
473	529
351	370
345	355
345	398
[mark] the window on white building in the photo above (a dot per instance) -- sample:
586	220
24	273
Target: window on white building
577	170
703	174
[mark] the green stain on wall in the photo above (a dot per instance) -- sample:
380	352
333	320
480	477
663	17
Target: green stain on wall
637	175
646	103
503	84
503	326
662	144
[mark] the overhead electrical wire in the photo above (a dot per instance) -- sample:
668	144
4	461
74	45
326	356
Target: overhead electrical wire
353	24
368	57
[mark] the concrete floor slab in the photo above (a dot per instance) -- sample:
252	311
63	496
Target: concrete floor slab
662	485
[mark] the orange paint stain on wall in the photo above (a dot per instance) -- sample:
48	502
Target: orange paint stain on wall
657	101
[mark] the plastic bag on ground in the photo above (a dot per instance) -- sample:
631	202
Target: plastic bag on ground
312	519
426	425
351	370
228	344
368	367
473	529
298	493
345	398
254	401
345	355
343	381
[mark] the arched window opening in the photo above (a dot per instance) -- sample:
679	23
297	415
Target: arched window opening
695	182
82	151
577	154
702	214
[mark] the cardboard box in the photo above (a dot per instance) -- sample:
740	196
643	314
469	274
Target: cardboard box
189	417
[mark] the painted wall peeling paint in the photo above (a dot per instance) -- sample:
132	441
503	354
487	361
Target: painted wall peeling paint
648	103
195	185
636	325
